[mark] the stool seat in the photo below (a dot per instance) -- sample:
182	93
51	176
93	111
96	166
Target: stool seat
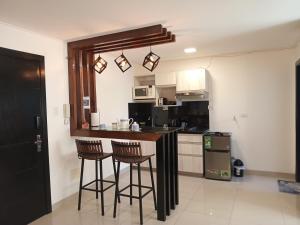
133	159
94	156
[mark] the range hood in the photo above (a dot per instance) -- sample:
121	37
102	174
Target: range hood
191	93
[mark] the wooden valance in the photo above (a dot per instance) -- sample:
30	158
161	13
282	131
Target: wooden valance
81	57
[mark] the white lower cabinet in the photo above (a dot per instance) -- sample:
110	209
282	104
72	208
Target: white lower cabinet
190	153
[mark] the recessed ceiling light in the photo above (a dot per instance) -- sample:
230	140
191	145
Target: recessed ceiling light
190	50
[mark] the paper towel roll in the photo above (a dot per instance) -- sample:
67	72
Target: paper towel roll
95	119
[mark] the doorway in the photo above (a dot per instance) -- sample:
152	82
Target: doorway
24	163
298	121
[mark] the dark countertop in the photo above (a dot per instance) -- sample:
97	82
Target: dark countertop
145	134
142	129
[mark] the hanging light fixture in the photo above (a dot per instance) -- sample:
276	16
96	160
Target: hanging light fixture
151	61
99	65
122	62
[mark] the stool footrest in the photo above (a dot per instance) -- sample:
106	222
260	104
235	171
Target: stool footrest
135	185
84	187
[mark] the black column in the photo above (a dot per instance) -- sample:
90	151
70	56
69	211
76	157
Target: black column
168	174
172	171
161	178
176	169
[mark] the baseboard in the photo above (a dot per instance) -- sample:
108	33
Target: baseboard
189	174
247	172
270	174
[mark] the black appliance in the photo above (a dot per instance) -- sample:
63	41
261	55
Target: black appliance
217	155
141	113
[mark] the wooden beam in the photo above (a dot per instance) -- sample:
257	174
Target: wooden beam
72	89
164	34
92	82
124	45
120	36
145	44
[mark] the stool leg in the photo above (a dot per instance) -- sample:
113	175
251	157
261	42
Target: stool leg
140	194
96	174
80	183
130	184
152	181
116	178
117	189
101	188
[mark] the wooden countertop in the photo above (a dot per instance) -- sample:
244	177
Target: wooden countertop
145	134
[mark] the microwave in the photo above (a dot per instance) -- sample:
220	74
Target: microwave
143	92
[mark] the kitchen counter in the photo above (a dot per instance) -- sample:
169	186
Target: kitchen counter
145	133
166	159
193	130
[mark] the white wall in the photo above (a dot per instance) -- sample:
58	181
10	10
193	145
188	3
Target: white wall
113	94
64	165
257	90
298	51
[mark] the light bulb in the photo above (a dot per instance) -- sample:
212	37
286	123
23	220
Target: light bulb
123	63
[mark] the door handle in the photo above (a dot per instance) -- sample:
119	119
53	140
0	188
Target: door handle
38	143
38	122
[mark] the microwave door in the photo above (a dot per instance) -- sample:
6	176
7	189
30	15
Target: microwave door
141	92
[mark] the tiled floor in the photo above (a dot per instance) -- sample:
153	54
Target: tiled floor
253	200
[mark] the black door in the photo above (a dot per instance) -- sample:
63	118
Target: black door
24	164
298	121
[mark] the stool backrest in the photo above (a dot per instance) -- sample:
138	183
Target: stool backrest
89	147
126	149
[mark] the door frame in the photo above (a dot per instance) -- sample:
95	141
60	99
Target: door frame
297	98
45	152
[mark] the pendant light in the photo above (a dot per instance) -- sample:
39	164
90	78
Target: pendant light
151	61
122	62
99	64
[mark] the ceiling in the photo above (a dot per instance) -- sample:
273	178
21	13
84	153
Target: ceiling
212	26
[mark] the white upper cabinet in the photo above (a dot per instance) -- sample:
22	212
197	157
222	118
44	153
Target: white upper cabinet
165	79
192	81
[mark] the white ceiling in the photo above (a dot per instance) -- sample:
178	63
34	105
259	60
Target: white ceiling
212	26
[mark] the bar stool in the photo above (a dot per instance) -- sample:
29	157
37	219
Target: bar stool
92	150
131	153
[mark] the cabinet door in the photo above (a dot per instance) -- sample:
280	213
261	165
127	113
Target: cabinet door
187	163
190	138
190	148
192	164
180	163
165	79
182	83
191	80
197	165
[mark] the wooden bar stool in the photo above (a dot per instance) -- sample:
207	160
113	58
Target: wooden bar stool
131	153
92	150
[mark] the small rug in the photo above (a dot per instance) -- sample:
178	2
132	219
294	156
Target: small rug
289	187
